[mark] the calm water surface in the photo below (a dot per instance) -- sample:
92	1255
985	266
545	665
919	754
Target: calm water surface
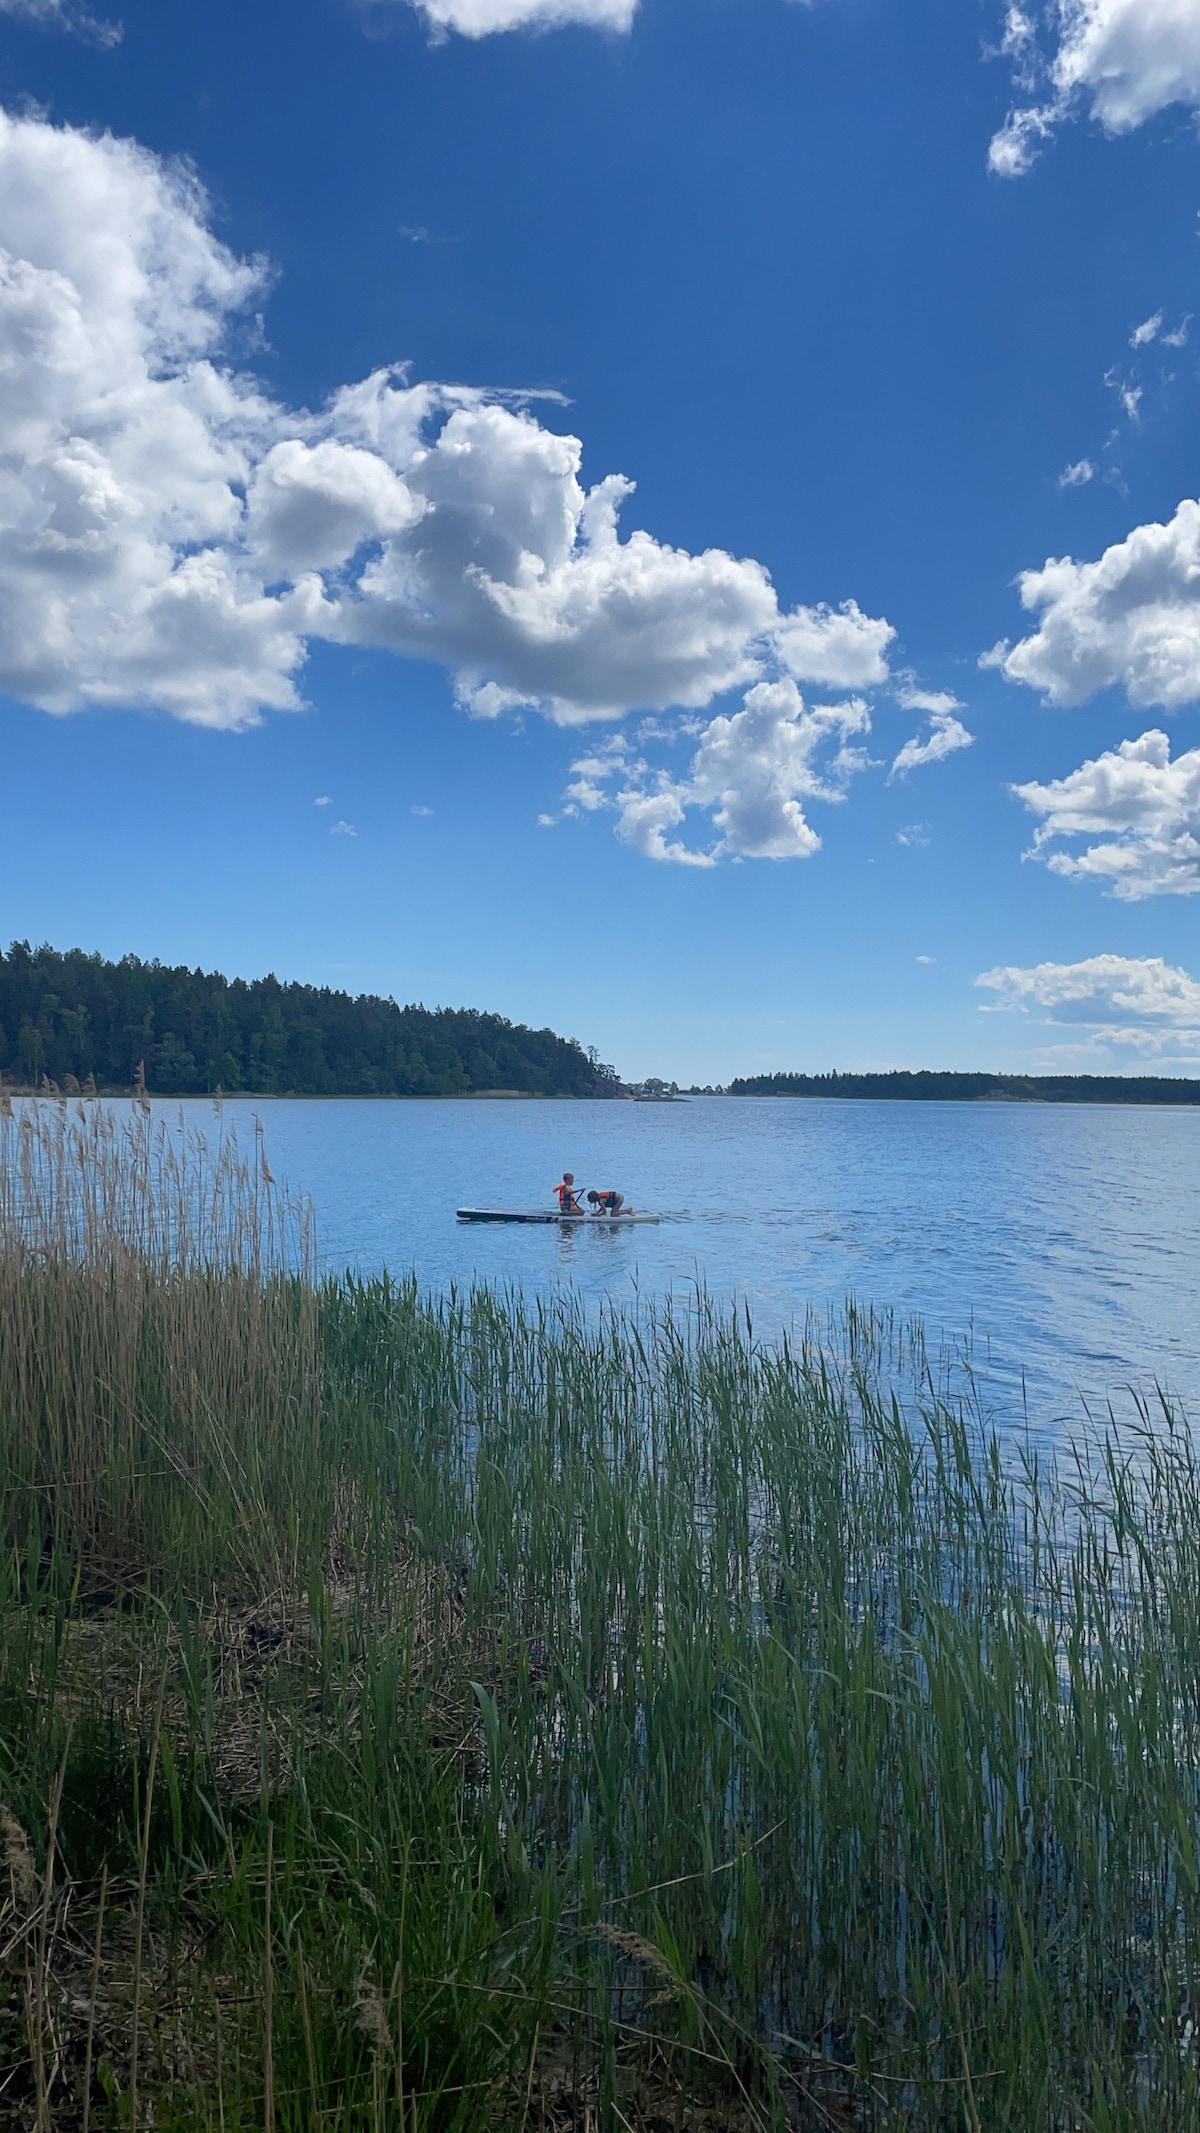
1058	1245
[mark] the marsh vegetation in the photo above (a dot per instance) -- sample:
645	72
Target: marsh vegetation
446	1712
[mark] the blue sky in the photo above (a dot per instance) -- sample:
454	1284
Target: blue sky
369	676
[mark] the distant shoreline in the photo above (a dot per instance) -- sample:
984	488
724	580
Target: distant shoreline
925	1085
1129	1092
117	1091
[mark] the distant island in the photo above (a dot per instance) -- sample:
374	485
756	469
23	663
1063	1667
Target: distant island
71	1021
75	1021
925	1086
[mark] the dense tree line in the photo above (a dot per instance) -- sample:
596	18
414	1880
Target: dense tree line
65	1017
942	1088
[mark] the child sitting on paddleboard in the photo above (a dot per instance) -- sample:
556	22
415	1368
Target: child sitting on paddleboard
565	1195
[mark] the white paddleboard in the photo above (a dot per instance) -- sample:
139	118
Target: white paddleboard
508	1214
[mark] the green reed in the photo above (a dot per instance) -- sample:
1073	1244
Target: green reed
459	1712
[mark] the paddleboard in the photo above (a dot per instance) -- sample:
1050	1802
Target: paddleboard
507	1214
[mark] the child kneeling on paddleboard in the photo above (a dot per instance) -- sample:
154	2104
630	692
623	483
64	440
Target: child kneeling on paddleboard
608	1203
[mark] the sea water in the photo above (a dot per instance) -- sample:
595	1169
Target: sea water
1052	1250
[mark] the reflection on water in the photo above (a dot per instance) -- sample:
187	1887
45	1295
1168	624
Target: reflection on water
1058	1244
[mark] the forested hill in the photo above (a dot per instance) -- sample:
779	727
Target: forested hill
74	1015
968	1088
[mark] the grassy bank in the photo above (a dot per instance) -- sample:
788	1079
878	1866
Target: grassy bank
445	1713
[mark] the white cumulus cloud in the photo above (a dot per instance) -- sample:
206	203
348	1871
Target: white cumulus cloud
1120	60
1129	58
752	775
834	648
1142	809
1014	149
911	695
518	579
1132	617
1132	1004
308	507
483	18
123	446
946	734
172	537
754	770
1101	988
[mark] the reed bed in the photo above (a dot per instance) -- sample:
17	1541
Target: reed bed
447	1713
158	1335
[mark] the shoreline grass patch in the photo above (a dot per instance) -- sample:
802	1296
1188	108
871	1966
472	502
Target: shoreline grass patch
450	1712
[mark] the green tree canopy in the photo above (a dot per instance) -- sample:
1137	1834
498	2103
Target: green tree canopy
72	1014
